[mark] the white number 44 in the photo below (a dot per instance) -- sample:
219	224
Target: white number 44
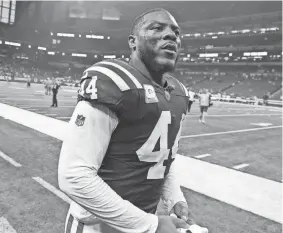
90	88
146	153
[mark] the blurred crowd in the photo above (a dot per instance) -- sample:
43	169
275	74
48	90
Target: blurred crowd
225	84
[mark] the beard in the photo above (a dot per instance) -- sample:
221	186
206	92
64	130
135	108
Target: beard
155	62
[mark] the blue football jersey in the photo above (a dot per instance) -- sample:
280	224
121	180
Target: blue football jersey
145	142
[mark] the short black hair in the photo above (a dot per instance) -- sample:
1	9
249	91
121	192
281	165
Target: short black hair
139	20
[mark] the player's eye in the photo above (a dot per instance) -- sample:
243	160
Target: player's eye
157	28
177	32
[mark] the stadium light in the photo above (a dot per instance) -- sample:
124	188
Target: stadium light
274	29
95	37
79	55
262	53
246	30
12	43
41	48
208	55
247	54
65	34
109	56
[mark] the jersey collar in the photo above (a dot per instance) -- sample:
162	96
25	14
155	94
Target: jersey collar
139	65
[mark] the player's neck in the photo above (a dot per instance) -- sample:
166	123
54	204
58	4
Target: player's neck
156	77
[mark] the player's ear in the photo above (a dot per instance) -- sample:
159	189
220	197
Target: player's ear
132	41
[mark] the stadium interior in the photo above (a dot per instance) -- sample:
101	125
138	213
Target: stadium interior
233	49
239	55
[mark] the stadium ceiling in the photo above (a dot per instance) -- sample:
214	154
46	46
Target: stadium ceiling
97	14
198	10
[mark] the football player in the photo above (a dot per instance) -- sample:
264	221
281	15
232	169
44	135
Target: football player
117	160
191	98
204	103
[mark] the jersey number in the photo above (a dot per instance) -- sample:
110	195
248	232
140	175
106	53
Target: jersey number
146	153
88	88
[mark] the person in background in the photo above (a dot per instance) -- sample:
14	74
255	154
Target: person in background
191	98
49	84
265	99
28	81
55	89
204	103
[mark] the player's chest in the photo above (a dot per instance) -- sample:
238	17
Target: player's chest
150	103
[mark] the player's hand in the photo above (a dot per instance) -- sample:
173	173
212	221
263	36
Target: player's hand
197	229
167	224
181	210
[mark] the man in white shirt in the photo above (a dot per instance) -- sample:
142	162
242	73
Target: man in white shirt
204	104
191	99
117	160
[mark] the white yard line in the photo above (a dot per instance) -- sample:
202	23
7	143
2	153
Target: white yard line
237	115
63	118
202	156
18	88
248	192
240	166
38	100
251	193
5	226
50	114
230	132
33	109
50	126
52	189
10	160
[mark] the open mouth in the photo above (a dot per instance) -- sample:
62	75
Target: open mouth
170	47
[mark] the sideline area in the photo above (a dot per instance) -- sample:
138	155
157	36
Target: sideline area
248	192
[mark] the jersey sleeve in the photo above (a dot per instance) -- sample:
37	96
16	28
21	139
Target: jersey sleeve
101	86
82	153
171	192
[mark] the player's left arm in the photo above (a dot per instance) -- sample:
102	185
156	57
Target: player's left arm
173	197
175	202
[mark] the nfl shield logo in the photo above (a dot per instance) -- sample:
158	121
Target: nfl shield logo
80	120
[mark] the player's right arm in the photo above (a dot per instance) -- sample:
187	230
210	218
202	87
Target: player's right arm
82	153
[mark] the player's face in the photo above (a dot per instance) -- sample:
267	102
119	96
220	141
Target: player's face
159	42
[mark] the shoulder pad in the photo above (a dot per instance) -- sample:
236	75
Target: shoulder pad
97	87
120	73
105	82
